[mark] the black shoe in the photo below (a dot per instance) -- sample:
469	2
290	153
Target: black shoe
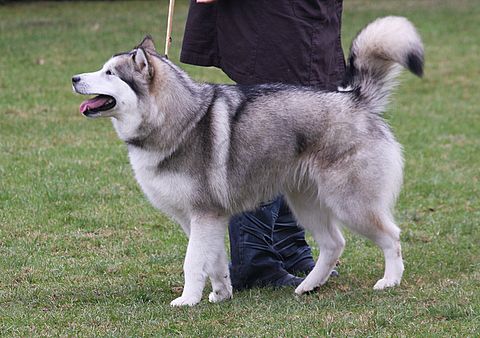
287	280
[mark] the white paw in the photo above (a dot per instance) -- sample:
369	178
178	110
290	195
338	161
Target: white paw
385	283
185	301
215	297
305	287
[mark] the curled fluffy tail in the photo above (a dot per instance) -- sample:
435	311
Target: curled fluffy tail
375	58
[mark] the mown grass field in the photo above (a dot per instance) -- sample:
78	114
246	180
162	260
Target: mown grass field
82	253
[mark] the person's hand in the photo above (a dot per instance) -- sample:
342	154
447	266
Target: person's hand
205	1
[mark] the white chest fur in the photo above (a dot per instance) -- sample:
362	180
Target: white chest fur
168	191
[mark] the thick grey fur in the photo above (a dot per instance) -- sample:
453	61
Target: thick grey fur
203	152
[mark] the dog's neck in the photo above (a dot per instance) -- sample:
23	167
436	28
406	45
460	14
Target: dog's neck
164	130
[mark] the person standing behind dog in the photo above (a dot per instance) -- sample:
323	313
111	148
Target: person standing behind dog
294	42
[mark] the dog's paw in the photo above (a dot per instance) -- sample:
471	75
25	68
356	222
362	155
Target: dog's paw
304	288
185	301
385	283
219	296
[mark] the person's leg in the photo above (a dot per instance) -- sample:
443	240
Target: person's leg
255	261
289	242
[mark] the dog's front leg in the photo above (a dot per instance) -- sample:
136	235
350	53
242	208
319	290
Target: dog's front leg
205	257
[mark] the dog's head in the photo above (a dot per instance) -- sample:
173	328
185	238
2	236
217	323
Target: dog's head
122	81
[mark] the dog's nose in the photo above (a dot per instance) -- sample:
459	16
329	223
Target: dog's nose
75	79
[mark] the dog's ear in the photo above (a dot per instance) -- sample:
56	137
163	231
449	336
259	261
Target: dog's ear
142	63
147	43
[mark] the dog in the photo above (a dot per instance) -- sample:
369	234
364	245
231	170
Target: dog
203	152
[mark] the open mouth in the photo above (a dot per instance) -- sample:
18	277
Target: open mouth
94	106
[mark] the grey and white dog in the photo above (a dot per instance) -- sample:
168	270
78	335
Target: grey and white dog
203	152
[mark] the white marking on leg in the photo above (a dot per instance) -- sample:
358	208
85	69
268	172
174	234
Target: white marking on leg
205	257
390	244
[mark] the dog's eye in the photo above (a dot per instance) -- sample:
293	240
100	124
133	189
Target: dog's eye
109	72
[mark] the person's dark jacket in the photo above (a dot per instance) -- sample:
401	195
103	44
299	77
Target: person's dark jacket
262	41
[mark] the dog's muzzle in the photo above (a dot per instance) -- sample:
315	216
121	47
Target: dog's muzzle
94	106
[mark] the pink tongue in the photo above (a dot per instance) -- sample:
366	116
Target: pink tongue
96	102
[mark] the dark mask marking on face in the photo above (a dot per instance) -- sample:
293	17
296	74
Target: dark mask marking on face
126	73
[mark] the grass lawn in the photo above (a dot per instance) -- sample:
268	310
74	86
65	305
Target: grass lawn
82	253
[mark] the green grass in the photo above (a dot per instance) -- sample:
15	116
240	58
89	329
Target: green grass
82	253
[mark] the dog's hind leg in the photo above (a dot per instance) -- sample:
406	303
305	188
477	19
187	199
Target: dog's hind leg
205	257
387	237
380	228
331	243
327	235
